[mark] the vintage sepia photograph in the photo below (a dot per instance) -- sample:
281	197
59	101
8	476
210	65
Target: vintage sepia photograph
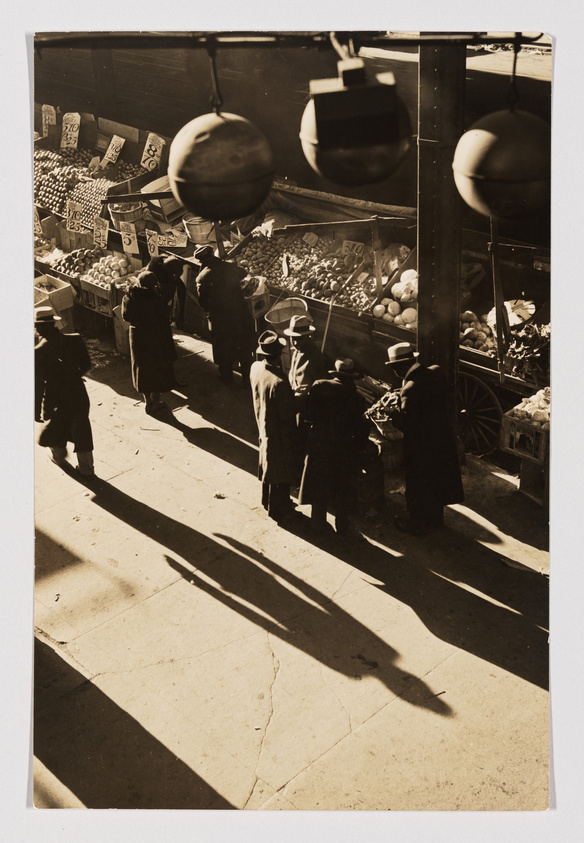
292	418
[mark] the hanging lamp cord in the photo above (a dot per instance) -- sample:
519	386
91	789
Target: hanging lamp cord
215	99
513	94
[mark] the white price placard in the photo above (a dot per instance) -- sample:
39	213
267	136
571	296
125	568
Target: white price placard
311	238
70	130
352	247
152	242
74	216
129	239
49	118
152	152
173	239
100	232
114	149
38	229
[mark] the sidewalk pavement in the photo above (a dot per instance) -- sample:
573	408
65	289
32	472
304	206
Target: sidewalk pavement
190	653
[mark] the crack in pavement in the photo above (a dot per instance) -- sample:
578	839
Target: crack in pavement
341	703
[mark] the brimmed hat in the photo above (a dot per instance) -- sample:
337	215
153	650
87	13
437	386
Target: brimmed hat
401	352
203	253
300	326
45	316
344	366
270	344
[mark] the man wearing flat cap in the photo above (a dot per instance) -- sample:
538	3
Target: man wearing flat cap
232	327
431	457
275	413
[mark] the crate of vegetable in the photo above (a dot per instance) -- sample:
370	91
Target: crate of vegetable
525	428
60	293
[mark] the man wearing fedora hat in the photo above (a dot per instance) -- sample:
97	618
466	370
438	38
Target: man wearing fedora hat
336	440
275	412
425	418
232	327
61	399
307	364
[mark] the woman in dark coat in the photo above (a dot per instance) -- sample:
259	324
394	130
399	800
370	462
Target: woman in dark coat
152	348
168	271
431	457
275	412
61	398
232	326
336	441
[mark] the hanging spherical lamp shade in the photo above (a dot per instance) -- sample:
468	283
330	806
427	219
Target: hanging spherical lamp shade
352	163
502	165
220	166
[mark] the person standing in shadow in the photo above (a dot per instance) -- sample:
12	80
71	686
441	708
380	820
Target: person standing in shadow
275	412
426	419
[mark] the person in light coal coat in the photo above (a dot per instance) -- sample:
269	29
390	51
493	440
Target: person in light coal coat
232	326
152	348
337	438
61	398
425	418
275	412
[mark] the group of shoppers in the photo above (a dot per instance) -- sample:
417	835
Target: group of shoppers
312	431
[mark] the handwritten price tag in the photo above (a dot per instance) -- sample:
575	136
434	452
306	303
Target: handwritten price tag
49	118
100	232
152	152
74	216
173	239
352	247
129	239
70	130
152	242
38	229
311	238
114	149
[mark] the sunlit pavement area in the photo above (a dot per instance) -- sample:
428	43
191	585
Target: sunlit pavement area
190	653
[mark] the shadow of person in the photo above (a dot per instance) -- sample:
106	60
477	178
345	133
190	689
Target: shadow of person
272	598
462	618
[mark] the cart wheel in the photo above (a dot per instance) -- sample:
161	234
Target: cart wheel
479	415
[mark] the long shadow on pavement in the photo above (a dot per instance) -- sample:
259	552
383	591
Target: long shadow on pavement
104	756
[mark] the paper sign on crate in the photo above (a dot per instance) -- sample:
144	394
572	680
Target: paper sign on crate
311	238
113	150
74	210
352	247
100	232
38	229
48	117
173	239
152	242
152	152
70	130
129	239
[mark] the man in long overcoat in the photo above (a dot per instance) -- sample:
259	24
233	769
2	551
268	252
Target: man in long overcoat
232	326
152	349
275	413
307	365
431	458
61	398
336	441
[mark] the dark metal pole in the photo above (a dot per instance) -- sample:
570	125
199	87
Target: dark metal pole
441	83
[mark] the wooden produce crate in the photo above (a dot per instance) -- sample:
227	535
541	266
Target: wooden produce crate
97	298
523	439
259	304
61	297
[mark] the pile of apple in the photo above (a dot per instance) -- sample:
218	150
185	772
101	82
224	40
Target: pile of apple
76	263
89	194
107	271
475	333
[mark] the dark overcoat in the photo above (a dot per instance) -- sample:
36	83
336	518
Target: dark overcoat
221	297
337	436
275	413
307	365
152	348
61	398
431	458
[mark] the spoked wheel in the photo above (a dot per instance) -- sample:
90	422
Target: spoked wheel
479	415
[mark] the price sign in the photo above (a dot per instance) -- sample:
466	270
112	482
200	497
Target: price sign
38	229
311	238
352	247
173	239
100	232
74	216
151	242
114	149
129	239
70	130
49	118
152	152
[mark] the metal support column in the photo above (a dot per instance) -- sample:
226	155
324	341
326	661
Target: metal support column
441	82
